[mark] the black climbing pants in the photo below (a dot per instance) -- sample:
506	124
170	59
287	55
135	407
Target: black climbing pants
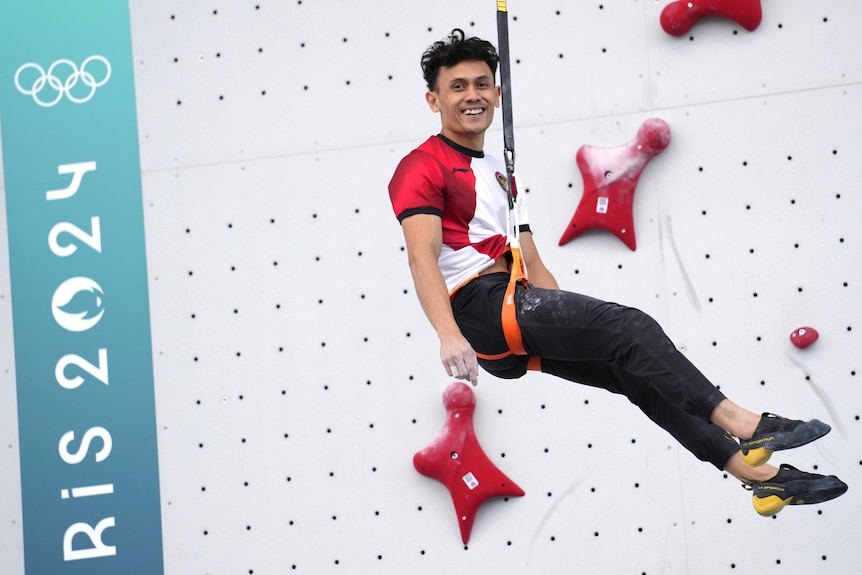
601	344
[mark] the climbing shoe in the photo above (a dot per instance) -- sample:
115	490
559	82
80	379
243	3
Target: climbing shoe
775	433
793	487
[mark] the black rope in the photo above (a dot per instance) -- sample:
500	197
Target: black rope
506	89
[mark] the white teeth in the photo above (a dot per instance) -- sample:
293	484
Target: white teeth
473	111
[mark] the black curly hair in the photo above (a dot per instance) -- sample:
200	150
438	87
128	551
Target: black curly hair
456	50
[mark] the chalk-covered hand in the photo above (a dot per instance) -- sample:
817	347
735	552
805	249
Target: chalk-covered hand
459	359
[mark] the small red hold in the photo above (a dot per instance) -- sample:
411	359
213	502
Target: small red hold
455	459
804	336
677	18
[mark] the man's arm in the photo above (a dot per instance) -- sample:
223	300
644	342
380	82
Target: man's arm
423	234
538	274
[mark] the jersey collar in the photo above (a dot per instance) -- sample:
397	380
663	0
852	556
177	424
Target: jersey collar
462	149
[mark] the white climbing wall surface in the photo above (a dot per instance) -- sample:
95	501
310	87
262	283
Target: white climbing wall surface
296	375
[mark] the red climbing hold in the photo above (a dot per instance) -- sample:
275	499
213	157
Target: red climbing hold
804	336
455	459
610	176
677	18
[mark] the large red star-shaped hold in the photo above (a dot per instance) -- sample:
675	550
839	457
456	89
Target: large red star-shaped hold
610	177
455	459
677	18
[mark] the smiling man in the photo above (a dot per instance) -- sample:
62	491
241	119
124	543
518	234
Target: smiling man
465	96
451	199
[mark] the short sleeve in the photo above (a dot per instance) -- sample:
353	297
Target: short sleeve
417	186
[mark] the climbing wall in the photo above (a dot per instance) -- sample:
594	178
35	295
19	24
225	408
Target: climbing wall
296	375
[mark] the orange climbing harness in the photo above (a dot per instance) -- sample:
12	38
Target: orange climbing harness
511	330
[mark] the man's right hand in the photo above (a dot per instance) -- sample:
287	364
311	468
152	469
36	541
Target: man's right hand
459	359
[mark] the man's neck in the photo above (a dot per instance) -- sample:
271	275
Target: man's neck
463	149
476	143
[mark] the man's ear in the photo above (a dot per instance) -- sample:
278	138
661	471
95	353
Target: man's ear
499	97
433	103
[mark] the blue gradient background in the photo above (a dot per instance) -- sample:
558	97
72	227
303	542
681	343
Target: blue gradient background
36	141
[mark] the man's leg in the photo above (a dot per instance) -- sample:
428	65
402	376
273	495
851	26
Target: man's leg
564	326
772	488
705	441
626	351
735	419
559	325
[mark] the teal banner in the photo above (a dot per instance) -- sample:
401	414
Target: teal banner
80	308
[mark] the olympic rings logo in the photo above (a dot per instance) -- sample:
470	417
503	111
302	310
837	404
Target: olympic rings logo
55	86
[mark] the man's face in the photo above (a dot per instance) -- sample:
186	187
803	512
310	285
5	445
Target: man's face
465	96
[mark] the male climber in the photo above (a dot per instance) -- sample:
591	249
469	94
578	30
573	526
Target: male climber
451	200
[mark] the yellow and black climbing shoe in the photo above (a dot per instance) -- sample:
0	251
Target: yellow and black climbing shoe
775	433
791	486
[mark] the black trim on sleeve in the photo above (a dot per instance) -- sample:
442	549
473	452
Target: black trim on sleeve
525	228
424	210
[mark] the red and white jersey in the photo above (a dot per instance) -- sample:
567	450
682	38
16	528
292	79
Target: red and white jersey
466	188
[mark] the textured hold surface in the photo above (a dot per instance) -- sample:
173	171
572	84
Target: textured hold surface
804	336
677	18
455	459
610	178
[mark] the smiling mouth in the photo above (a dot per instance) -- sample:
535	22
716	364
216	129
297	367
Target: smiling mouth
472	111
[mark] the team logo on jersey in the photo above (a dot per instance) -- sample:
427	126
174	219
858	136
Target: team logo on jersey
504	183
